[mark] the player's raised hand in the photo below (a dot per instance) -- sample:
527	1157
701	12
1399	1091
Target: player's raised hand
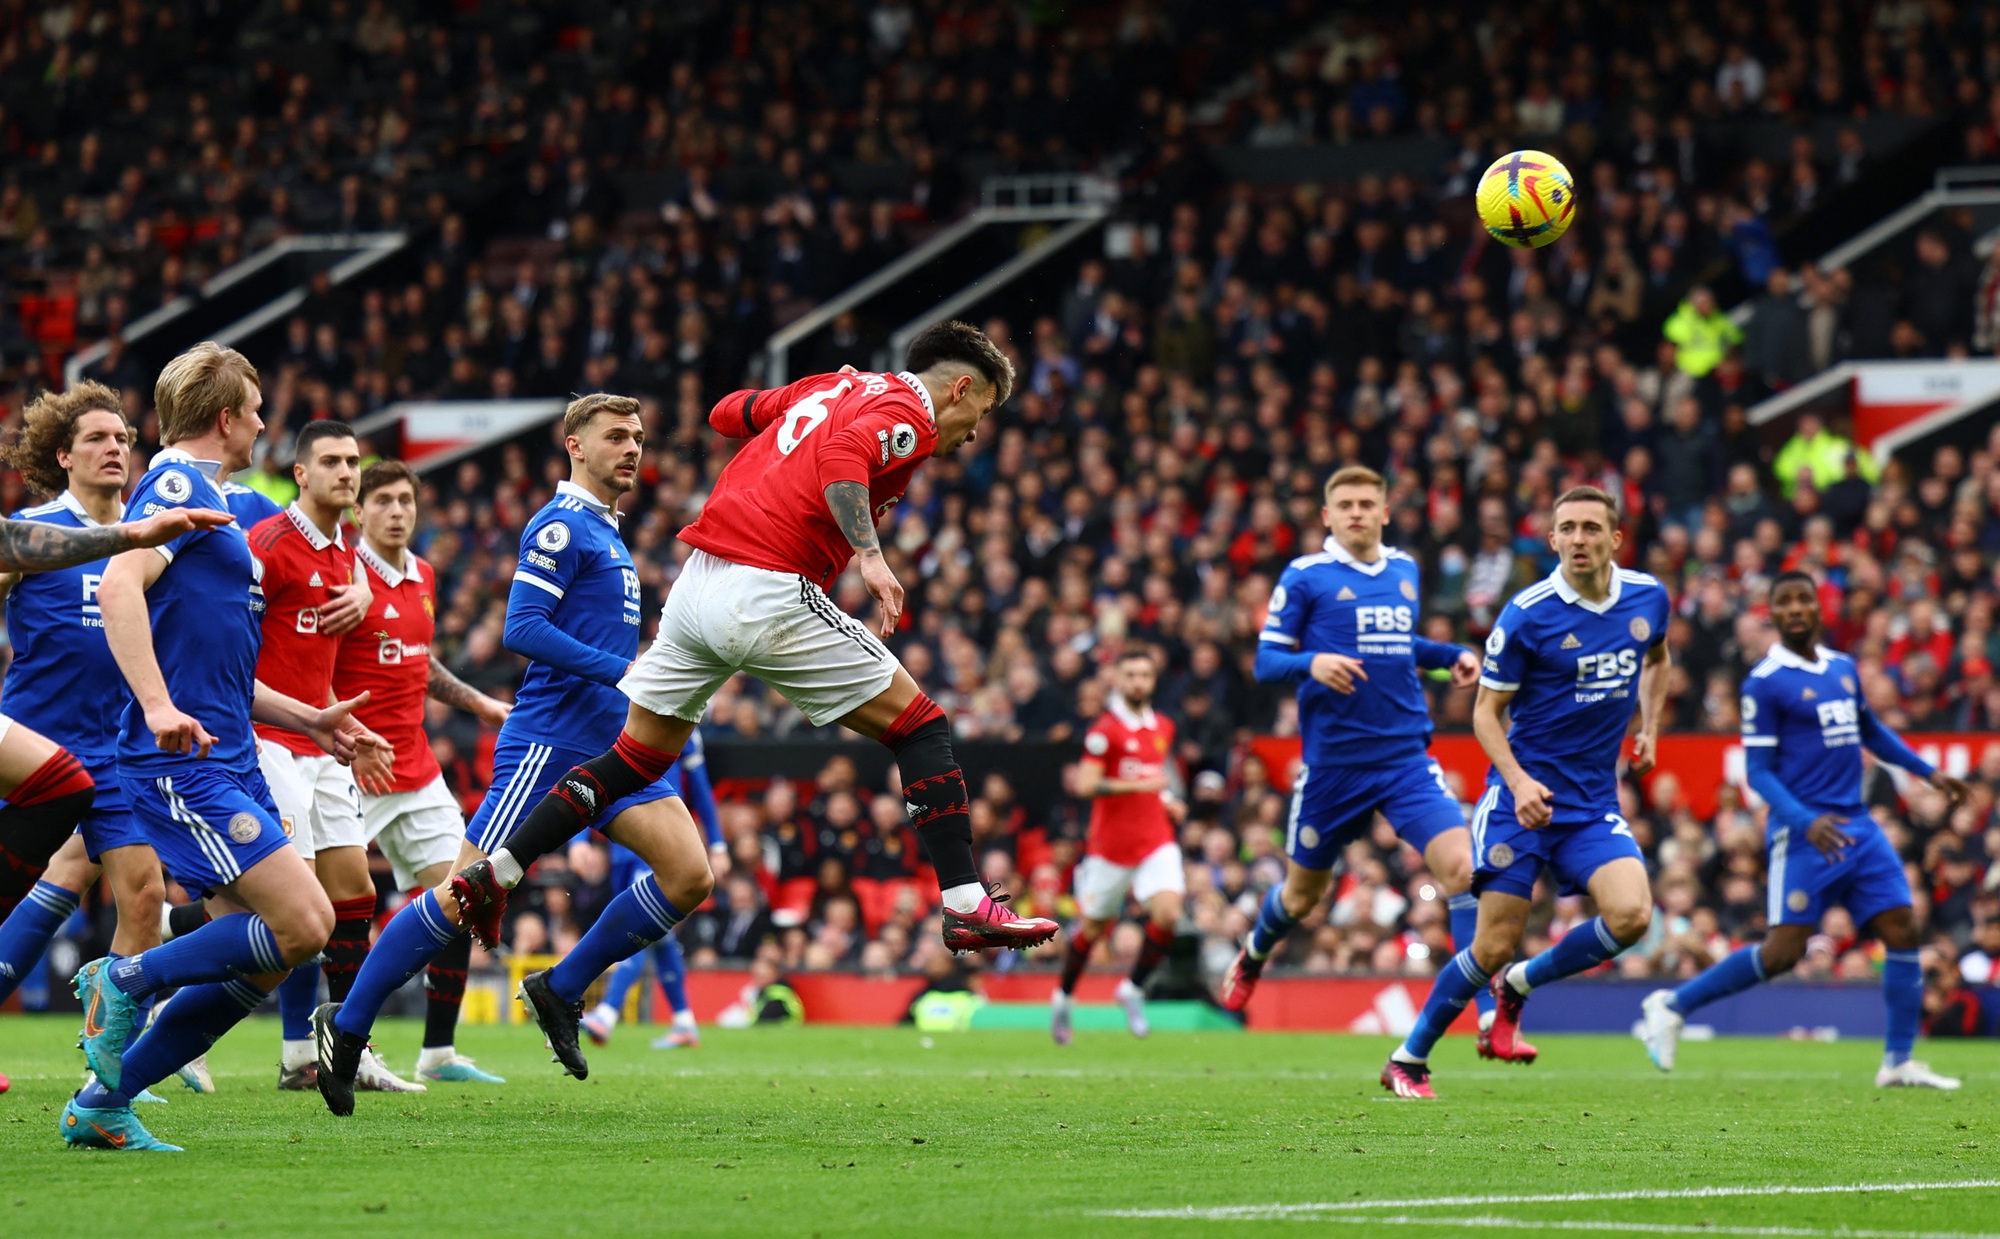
163	527
349	607
1338	672
1465	669
176	732
1955	790
881	582
1534	804
1826	834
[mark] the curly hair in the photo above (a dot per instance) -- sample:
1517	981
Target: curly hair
49	426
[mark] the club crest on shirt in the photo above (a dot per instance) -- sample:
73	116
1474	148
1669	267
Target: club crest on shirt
1847	682
430	608
1499	856
553	536
1409	591
1797	901
1641	630
175	485
244	828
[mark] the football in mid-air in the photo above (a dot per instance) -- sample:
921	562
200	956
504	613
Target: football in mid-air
1526	199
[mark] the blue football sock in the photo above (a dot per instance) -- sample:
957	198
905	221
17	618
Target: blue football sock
1581	949
1903	990
1456	983
671	967
407	943
1464	924
238	945
1735	972
298	994
638	918
1273	923
623	978
28	929
188	1025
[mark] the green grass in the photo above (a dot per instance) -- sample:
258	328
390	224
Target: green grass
869	1132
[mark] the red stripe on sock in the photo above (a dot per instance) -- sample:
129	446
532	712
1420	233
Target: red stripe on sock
61	775
1158	934
920	711
650	763
360	908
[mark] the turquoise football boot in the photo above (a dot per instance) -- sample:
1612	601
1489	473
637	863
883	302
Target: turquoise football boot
117	1129
108	1016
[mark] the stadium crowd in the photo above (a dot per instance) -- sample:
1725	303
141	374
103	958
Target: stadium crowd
1182	397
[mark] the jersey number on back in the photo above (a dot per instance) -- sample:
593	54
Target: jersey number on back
805	416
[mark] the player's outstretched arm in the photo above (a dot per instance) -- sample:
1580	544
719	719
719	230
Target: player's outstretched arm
456	693
1885	744
128	631
34	546
332	727
848	501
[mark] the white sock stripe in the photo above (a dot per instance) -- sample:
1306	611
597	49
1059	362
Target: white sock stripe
264	943
432	918
1462	901
655	905
1757	961
1605	937
54	898
246	994
1902	957
1470	969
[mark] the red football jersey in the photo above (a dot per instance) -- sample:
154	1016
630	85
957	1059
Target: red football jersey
301	567
768	509
1126	829
389	658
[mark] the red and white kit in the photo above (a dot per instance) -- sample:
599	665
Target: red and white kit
1131	847
418	823
752	596
318	803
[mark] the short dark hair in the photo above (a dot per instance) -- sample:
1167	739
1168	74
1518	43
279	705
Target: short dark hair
1589	494
1794	574
382	473
313	432
955	341
1131	652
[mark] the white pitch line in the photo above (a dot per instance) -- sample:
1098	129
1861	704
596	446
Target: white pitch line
1489	1222
1275	1209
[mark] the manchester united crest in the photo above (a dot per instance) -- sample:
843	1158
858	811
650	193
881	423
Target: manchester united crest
1641	630
430	608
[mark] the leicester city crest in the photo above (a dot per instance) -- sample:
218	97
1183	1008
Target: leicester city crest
1641	630
1409	591
1499	856
244	827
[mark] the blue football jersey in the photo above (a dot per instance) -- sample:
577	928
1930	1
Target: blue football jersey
1332	603
247	505
207	610
1810	714
1573	667
575	597
63	681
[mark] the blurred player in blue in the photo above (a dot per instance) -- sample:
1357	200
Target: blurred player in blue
1343	625
182	621
690	774
574	613
1568	655
1805	723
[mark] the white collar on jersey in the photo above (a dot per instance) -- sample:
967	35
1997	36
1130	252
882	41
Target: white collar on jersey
923	393
303	523
1341	556
1567	592
570	490
75	506
1784	657
210	469
393	577
1137	720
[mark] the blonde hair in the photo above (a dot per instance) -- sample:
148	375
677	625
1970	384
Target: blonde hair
198	385
49	427
583	408
1355	475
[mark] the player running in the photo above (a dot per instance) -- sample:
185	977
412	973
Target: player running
827	456
1805	723
416	822
669	964
1342	624
1567	655
574	613
182	623
310	601
1128	775
64	684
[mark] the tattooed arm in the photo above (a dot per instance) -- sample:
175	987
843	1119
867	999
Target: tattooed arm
34	546
848	501
459	695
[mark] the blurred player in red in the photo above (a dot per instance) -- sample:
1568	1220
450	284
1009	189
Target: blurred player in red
310	599
827	457
1128	775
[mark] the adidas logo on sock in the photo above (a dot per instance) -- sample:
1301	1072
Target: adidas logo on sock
584	792
1571	643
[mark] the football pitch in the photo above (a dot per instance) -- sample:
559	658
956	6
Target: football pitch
837	1131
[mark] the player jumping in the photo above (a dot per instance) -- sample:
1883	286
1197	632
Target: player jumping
828	455
416	821
182	623
1127	773
1567	655
1343	625
574	612
1805	723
